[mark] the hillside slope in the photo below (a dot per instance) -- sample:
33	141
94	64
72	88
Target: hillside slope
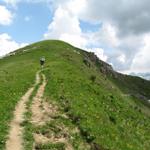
130	85
101	103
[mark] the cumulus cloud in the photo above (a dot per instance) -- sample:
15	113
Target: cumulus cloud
6	16
141	61
99	52
130	17
7	44
65	26
125	24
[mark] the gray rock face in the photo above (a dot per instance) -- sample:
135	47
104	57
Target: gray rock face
104	67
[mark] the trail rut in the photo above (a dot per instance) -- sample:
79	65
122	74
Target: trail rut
38	116
15	140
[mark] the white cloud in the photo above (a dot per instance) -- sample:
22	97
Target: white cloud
122	58
65	26
105	36
99	52
141	61
75	40
6	16
75	7
7	44
129	16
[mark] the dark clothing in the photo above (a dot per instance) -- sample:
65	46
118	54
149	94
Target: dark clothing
42	61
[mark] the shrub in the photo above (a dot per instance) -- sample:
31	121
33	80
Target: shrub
86	62
93	78
67	108
96	146
112	119
111	96
85	133
74	118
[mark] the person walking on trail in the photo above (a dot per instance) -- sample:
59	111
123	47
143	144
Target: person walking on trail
42	61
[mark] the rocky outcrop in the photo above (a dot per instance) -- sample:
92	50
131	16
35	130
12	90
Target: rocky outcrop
103	67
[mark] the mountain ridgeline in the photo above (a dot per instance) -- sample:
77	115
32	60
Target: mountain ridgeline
111	111
130	85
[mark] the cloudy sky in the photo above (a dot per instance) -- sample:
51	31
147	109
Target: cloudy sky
118	31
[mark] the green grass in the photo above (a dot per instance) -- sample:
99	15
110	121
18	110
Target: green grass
58	146
94	104
133	85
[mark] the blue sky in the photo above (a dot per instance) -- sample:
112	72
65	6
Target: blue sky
30	22
117	35
91	27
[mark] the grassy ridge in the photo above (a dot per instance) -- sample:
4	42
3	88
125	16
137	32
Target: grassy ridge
94	103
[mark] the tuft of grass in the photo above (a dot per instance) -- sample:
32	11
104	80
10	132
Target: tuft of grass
50	146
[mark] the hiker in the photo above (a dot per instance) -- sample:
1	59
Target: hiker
42	61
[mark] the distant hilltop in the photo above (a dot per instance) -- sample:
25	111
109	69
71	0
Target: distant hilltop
142	75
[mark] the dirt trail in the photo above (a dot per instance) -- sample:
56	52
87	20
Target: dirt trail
38	114
43	112
15	139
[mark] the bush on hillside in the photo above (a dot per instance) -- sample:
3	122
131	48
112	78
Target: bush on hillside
93	78
85	133
112	119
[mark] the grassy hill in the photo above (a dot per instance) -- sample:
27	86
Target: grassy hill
103	104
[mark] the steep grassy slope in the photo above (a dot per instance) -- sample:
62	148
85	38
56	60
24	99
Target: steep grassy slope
105	116
132	85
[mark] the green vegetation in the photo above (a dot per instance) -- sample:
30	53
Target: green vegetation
94	103
16	76
136	87
133	85
50	147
